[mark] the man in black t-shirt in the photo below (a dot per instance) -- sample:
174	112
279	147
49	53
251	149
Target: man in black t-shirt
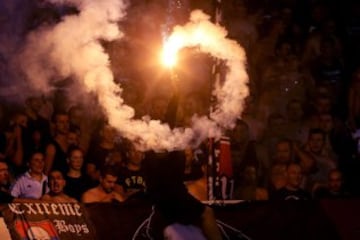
164	177
334	188
131	177
164	174
76	181
106	152
292	189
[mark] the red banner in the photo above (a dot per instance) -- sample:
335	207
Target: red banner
48	221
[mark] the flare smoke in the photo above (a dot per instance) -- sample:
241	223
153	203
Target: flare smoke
72	49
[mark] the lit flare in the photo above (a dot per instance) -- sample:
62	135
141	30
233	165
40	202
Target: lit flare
170	50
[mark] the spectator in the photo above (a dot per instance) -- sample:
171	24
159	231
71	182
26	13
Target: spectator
327	30
295	126
283	77
16	140
104	153
73	137
277	178
243	151
328	70
76	181
76	115
240	25
323	104
323	162
292	189
36	143
81	124
334	188
104	192
265	45
275	130
249	115
289	152
33	183
36	122
55	154
339	143
198	187
284	153
131	177
248	186
56	186
5	196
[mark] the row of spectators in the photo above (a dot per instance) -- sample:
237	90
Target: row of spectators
296	137
57	169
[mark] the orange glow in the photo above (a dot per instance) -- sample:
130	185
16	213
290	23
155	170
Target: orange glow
170	51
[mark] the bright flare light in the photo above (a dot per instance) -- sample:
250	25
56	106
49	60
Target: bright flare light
192	36
171	48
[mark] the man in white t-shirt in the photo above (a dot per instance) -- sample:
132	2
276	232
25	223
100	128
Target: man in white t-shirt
33	183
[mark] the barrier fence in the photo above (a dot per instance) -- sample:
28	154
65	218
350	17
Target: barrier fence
327	219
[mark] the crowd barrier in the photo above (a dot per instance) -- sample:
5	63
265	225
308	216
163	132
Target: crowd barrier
326	219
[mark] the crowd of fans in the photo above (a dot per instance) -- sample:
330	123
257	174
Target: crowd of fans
296	138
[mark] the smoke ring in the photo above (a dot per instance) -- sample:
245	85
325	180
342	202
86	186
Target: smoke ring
230	95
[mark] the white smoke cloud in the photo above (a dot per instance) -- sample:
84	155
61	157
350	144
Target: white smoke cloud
72	49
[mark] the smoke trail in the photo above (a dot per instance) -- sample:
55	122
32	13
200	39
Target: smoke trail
72	49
